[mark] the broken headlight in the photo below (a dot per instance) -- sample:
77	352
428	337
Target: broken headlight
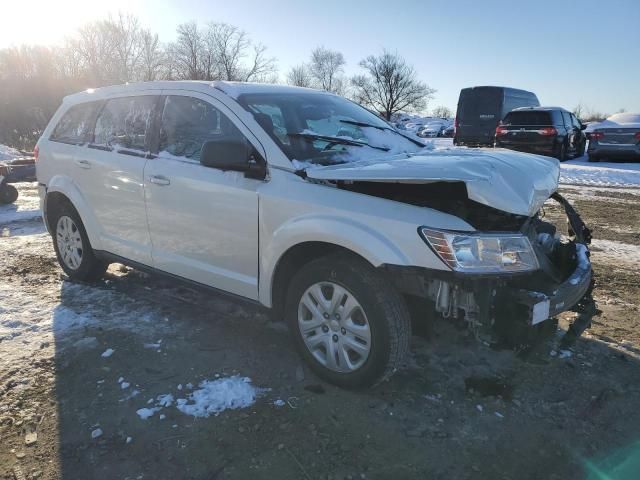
482	253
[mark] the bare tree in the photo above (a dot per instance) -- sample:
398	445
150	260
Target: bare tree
326	69
127	44
187	52
219	52
390	85
299	76
152	57
442	112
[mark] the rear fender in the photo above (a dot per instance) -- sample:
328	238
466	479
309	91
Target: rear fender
66	186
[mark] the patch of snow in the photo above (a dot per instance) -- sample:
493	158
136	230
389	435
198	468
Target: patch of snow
279	403
602	174
128	440
617	252
124	385
121	379
565	354
8	153
151	345
480	408
107	353
162	416
165	400
145	413
96	433
216	396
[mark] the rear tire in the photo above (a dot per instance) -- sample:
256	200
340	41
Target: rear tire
349	324
593	158
8	194
72	246
562	153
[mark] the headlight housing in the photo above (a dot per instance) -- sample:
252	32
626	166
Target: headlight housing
482	252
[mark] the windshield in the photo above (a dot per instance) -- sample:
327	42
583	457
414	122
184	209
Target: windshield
325	129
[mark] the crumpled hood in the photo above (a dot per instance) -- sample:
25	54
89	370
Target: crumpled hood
513	182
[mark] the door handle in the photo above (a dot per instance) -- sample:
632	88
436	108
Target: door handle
83	163
159	180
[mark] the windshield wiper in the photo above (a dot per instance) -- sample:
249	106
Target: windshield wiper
391	129
335	140
364	124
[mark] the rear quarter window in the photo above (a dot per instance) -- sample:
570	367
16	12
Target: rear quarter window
74	126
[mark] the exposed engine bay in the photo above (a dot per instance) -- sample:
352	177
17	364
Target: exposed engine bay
448	197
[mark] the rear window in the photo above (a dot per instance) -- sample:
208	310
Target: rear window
74	125
527	118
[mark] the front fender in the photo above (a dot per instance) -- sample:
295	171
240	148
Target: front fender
66	186
356	237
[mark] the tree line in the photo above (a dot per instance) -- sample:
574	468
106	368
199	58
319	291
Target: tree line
33	79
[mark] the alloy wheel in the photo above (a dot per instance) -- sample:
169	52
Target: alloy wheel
334	327
69	242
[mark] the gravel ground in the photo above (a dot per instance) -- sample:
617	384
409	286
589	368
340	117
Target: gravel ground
65	412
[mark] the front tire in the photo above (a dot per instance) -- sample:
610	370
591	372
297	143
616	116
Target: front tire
348	323
73	250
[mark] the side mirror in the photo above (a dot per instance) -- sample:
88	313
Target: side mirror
583	127
225	154
233	155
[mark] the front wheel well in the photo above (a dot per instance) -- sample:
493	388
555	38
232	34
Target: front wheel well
291	261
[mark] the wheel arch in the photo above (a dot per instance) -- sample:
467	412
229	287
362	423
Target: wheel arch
62	189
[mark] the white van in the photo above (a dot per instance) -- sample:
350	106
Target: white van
310	205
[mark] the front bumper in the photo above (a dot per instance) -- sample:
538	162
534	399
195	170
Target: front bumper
512	305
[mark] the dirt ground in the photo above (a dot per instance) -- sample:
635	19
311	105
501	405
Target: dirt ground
557	416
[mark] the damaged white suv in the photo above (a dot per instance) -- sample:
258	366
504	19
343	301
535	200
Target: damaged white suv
312	206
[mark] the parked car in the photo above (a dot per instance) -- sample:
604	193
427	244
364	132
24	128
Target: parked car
551	131
432	129
616	138
12	171
449	131
481	108
192	180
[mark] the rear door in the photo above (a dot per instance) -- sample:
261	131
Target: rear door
479	111
113	181
61	149
203	221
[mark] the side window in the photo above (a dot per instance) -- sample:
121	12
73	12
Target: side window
74	125
187	123
124	122
567	120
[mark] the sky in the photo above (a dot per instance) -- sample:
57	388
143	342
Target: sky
567	52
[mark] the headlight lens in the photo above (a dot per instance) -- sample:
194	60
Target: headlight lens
482	253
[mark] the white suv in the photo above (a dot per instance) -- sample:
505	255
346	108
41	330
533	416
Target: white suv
312	206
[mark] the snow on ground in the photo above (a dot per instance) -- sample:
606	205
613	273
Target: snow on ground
616	252
8	153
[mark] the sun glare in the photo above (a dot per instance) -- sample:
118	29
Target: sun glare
46	22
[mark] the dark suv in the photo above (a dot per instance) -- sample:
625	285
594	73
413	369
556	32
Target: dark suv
551	131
